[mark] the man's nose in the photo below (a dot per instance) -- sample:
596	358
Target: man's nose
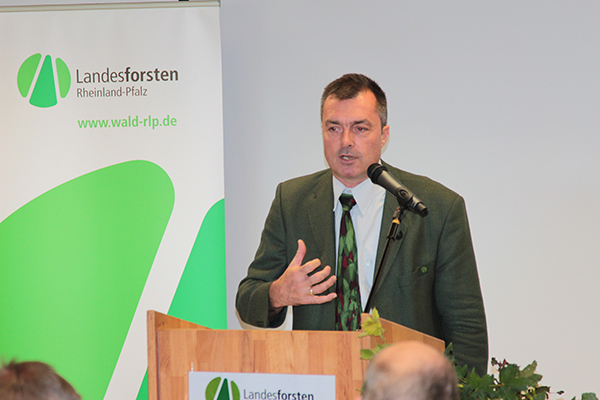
347	138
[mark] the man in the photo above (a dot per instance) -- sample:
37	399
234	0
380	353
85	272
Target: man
429	282
34	380
410	371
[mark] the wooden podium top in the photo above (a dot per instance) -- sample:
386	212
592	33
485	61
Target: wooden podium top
176	347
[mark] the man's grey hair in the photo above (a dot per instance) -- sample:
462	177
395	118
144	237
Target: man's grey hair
428	381
34	380
349	86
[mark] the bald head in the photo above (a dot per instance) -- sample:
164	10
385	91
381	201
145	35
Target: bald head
410	370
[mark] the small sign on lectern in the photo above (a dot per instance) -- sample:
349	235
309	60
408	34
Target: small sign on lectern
255	386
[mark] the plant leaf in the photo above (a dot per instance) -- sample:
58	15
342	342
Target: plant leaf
529	370
372	325
508	374
589	396
366	354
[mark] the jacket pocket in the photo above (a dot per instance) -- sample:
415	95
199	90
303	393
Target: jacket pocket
422	273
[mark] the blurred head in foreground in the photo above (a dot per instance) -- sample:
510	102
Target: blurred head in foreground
33	380
410	370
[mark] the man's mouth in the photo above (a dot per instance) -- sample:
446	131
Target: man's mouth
347	157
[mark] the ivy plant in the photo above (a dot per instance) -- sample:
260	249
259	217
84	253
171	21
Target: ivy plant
508	382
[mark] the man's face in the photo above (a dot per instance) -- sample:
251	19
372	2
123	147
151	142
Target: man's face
352	136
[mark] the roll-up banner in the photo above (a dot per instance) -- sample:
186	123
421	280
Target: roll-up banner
111	184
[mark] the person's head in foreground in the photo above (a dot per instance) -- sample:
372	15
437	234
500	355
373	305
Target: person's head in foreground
410	370
33	380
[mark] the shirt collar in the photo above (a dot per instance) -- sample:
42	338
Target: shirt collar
364	193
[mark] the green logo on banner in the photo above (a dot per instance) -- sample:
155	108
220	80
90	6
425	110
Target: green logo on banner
44	93
214	393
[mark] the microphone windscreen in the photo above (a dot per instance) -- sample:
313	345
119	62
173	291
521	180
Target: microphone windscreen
374	171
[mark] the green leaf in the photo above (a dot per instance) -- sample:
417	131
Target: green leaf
529	370
475	387
375	314
372	325
506	393
366	354
589	396
479	382
508	373
461	372
518	385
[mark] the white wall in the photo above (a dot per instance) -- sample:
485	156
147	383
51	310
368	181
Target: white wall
497	100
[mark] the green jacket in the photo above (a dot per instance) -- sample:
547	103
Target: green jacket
429	283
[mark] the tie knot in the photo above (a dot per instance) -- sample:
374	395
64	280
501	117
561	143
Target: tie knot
347	201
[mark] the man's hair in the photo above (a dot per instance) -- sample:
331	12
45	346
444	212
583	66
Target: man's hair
34	380
436	381
349	86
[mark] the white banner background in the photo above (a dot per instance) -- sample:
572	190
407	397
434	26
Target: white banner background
42	148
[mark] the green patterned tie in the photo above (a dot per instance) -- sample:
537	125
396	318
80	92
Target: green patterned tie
347	289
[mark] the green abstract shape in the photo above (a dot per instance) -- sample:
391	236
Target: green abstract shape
211	389
224	393
201	296
27	72
64	77
73	264
44	91
235	391
143	392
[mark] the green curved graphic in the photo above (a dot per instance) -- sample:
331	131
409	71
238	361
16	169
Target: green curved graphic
211	388
204	274
201	294
235	391
44	90
64	77
73	264
27	72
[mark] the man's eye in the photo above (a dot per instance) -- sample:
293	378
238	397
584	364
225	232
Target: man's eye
334	129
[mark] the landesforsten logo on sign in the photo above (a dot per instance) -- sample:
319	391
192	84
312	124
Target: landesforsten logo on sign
214	392
42	91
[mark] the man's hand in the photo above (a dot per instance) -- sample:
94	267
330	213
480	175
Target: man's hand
295	287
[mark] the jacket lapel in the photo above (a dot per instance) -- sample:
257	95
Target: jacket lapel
319	208
321	220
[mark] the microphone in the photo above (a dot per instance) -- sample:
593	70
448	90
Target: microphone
380	175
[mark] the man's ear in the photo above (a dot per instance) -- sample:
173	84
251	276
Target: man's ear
385	135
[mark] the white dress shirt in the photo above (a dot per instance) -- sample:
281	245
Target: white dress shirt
366	218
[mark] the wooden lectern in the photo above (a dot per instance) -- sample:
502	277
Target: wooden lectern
176	347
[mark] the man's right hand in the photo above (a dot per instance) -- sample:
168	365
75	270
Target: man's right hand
295	287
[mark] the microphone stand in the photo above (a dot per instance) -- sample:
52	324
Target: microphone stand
393	234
